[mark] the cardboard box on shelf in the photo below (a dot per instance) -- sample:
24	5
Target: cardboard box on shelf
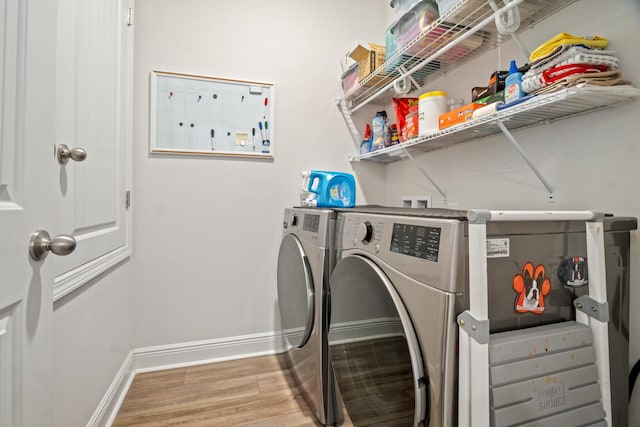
496	82
459	115
490	99
368	58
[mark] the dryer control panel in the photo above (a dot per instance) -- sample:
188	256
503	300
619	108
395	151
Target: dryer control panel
312	225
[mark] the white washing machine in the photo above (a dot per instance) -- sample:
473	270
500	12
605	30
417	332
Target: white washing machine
401	279
305	261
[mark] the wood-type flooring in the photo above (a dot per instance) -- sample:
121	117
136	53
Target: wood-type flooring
260	391
249	392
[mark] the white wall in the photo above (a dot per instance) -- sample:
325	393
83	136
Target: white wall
591	161
207	229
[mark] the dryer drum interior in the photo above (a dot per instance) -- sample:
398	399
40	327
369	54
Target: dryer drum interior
373	347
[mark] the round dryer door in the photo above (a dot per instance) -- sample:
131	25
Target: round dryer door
374	350
295	291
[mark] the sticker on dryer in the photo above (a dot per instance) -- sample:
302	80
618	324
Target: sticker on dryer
573	271
497	248
531	287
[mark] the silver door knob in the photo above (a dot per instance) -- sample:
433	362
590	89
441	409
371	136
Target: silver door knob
63	153
41	244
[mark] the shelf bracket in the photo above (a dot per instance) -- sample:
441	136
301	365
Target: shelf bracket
508	23
407	75
348	119
511	138
423	172
523	48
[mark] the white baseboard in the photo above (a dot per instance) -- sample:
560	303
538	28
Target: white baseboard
110	403
157	358
361	330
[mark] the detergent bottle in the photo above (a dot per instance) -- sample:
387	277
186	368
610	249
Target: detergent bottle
325	189
378	126
365	145
513	84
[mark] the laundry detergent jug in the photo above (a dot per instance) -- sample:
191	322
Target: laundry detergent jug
325	189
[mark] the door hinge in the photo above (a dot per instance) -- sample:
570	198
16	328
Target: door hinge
127	199
129	16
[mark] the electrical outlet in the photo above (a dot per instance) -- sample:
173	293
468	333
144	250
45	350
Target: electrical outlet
423	202
416	202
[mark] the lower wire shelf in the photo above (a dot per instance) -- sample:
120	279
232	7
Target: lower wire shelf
565	103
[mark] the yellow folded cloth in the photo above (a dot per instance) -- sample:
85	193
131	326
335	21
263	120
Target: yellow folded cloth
565	38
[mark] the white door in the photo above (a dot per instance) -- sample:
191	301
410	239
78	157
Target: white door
65	78
27	174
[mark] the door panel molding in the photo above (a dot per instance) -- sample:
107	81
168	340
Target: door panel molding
10	366
12	37
73	279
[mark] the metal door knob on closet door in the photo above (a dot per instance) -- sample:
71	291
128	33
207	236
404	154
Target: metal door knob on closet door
41	243
63	154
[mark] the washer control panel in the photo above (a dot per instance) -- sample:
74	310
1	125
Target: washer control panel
429	250
416	241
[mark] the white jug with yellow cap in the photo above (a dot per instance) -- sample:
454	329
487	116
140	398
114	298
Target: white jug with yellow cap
430	106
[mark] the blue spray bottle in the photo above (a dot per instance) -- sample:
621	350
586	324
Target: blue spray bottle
513	84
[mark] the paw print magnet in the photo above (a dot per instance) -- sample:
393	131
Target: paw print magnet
531	287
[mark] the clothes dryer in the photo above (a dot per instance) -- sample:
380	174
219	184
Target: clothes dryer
401	279
305	261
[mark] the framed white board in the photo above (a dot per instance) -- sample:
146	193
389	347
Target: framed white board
210	116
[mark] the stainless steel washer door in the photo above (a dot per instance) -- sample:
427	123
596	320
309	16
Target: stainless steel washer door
295	291
374	349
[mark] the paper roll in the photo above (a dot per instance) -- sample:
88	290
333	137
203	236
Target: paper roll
486	110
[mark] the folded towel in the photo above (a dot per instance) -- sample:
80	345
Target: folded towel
565	38
606	78
574	54
531	82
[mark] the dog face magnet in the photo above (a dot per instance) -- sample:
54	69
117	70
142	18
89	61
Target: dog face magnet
531	287
573	271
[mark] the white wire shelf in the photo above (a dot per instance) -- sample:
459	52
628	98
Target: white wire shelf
541	109
462	33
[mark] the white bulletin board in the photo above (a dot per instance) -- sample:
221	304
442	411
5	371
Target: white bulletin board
210	116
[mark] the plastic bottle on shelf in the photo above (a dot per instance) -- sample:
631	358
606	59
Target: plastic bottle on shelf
513	84
378	126
387	133
395	138
365	145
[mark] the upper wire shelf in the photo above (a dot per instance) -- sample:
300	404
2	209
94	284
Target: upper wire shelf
462	33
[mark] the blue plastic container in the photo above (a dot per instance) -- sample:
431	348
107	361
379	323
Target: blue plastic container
332	189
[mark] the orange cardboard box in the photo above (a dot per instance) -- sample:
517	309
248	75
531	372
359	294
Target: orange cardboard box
459	115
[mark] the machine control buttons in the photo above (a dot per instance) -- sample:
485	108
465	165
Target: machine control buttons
294	220
376	247
364	232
